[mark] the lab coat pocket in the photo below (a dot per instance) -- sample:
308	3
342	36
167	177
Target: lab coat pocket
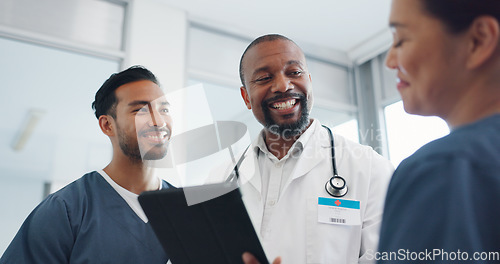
329	243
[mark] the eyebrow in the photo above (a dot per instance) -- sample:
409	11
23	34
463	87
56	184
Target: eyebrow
294	62
290	62
397	25
142	102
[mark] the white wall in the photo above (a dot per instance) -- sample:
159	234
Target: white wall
157	40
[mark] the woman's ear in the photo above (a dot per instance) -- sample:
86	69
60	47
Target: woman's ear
107	125
484	34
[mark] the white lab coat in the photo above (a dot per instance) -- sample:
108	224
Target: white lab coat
294	232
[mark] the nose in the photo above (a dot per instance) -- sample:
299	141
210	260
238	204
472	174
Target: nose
157	119
390	59
281	84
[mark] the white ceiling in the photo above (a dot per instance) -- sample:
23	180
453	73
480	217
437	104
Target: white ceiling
354	28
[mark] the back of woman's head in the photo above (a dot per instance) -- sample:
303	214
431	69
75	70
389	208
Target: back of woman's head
458	15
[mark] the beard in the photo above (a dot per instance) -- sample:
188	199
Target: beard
289	129
130	147
157	152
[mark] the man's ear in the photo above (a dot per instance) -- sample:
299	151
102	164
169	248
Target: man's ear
246	98
107	125
484	35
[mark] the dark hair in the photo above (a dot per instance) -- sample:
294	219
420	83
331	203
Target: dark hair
458	15
105	98
265	38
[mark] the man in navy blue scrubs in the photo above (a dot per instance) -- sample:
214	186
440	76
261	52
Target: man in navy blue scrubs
97	218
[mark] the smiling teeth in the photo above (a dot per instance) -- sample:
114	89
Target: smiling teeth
284	105
161	136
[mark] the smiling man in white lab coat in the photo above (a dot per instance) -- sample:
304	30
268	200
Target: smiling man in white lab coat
285	171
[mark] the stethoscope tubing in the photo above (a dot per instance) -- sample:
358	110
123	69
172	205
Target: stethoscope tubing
329	186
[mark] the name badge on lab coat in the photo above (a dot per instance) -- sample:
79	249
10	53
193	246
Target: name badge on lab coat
338	211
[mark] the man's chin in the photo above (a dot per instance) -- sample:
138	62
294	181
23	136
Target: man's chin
288	129
156	153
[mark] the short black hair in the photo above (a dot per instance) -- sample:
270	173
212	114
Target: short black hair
458	15
105	98
265	38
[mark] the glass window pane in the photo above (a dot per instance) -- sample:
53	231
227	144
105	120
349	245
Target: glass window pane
226	104
341	122
406	133
348	129
65	143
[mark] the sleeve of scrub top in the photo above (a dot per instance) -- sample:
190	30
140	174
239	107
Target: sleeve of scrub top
45	236
380	175
438	204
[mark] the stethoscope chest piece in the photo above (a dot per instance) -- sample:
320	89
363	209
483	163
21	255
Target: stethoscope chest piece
336	186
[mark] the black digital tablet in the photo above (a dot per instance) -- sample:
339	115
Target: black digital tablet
202	224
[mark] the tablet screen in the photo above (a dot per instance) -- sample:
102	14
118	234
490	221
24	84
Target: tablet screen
216	230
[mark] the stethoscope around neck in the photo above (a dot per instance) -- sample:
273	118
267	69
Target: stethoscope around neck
336	186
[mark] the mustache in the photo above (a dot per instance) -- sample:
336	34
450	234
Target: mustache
284	96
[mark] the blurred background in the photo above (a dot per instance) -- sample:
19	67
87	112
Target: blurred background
55	54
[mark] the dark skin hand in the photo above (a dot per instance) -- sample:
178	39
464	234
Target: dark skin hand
250	259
